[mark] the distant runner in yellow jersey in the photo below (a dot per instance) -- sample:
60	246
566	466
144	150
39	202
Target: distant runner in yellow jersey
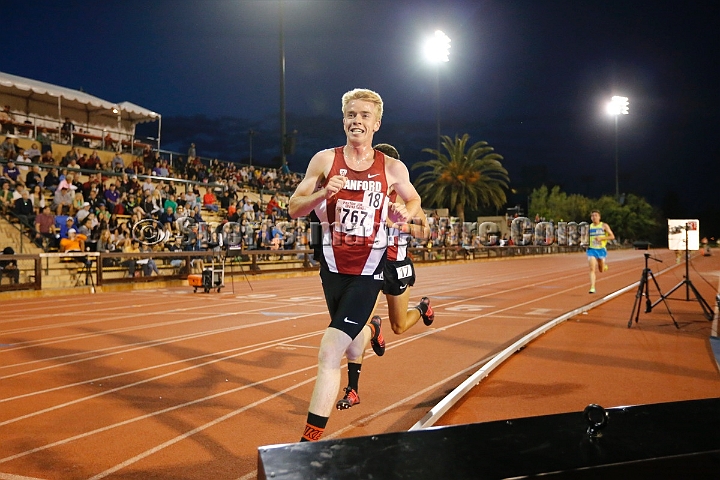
599	233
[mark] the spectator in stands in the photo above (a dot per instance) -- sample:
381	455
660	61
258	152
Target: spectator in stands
277	242
24	210
37	197
157	171
45	229
93	199
191	200
33	177
63	198
11	173
7	149
170	202
82	161
209	200
117	164
63	223
78	201
17	193
33	153
123	184
191	152
130	203
262	237
93	184
45	141
134	185
47	158
93	161
66	181
83	212
9	268
148	185
22	160
112	197
225	200
175	246
157	203
192	241
6	197
167	216
148	264
147	203
51	181
196	214
74	242
71	155
86	229
130	246
106	245
67	130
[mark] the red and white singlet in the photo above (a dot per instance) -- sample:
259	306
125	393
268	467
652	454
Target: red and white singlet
354	236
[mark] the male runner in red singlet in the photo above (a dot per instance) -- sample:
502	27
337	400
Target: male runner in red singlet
347	189
398	276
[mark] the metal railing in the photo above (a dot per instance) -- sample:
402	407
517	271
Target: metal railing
94	269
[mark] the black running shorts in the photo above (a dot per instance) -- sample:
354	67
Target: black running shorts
350	299
398	277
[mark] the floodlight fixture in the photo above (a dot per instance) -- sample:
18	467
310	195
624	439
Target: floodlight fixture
618	106
437	48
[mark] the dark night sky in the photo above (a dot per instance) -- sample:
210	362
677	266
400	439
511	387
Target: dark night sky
531	77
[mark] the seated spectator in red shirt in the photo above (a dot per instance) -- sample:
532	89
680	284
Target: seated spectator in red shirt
45	228
209	200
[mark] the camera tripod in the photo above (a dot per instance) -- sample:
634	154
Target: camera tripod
88	274
707	310
644	290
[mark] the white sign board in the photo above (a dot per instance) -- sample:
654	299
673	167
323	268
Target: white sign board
680	230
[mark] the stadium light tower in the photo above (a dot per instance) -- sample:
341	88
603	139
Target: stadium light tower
617	106
437	51
283	128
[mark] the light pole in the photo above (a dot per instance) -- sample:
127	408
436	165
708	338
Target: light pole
283	159
617	106
437	51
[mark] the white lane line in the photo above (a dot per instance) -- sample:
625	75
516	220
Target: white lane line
116	331
176	407
179	438
9	476
153	344
268	344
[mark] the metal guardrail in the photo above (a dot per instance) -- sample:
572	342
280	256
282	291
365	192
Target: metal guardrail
100	269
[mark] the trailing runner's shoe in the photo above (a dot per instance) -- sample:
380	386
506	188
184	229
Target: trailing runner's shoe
351	398
592	290
377	341
426	311
605	267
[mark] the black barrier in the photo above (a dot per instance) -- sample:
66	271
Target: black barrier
666	440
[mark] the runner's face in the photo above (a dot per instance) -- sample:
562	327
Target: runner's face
360	120
595	217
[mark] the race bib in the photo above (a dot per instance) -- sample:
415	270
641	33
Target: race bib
357	217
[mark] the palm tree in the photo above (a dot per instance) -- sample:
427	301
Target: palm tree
463	178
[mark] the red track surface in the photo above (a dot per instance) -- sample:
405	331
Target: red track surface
171	384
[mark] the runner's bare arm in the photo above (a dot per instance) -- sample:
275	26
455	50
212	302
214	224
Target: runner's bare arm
307	195
399	179
609	235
